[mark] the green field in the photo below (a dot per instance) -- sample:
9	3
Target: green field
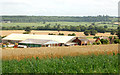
54	23
68	64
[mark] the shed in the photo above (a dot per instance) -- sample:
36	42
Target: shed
38	43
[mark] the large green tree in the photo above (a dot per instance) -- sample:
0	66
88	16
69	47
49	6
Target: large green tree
118	32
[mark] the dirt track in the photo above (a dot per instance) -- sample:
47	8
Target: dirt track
58	51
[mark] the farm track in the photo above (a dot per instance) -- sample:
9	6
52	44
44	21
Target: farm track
21	53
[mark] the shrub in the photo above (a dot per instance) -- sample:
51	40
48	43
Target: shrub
117	41
51	34
87	32
98	42
27	32
104	41
96	37
60	34
73	34
94	43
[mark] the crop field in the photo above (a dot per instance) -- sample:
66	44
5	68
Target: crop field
21	53
67	64
44	32
54	23
78	59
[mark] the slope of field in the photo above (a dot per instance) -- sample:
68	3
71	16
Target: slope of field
44	32
19	53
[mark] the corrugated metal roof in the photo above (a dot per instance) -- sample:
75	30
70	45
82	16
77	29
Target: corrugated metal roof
60	39
38	41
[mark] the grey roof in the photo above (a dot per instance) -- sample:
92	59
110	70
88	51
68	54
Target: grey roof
38	41
83	38
103	37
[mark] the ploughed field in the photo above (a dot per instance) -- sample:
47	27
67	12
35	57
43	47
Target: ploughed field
21	53
44	32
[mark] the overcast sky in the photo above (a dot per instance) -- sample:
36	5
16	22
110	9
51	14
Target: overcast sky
59	7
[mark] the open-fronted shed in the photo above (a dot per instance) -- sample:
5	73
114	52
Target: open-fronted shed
38	43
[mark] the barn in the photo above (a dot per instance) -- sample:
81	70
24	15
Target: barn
38	43
32	40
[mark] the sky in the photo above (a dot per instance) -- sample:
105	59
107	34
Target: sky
59	7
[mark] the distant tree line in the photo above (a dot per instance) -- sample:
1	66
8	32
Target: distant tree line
44	19
88	30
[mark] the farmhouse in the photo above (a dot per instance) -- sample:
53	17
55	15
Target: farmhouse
102	37
32	40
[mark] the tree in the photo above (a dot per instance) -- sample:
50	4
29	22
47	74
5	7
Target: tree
93	32
96	37
105	26
28	29
51	34
93	24
61	34
44	22
112	32
73	34
104	41
58	27
87	32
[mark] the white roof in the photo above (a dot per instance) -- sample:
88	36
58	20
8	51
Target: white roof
60	39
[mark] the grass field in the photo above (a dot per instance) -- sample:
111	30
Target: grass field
68	64
54	23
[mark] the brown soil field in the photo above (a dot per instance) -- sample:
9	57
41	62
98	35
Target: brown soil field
20	53
8	32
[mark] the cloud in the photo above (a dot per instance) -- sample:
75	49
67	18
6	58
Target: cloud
59	7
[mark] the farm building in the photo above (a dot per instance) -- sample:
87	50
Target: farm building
44	40
102	37
38	43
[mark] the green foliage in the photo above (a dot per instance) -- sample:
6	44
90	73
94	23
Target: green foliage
118	32
68	64
87	32
73	34
105	41
51	34
98	42
93	32
61	34
105	26
92	19
27	32
95	37
27	29
94	43
113	32
60	26
116	41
